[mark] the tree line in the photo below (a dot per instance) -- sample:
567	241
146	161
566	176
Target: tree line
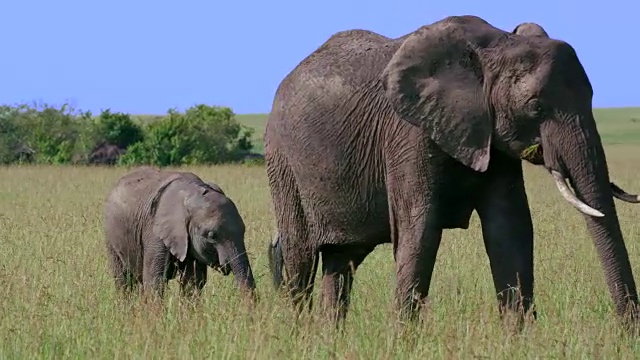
46	134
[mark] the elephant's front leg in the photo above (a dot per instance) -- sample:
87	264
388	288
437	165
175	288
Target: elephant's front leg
416	245
193	278
156	263
508	236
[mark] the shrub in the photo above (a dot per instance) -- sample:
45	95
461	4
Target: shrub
117	129
50	135
201	135
109	136
12	146
45	134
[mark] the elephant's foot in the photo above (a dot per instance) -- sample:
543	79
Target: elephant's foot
336	290
153	289
415	259
515	322
301	298
301	272
516	310
126	284
339	265
410	307
153	298
630	319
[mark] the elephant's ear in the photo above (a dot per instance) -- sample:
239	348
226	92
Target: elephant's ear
435	81
215	187
530	29
169	217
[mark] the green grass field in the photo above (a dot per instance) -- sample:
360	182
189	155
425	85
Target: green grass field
59	301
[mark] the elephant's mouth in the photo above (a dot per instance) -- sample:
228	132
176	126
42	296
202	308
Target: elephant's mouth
215	262
533	154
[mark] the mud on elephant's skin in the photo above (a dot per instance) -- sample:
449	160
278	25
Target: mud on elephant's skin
162	224
374	140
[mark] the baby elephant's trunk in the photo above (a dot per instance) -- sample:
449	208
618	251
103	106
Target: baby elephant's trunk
235	255
276	261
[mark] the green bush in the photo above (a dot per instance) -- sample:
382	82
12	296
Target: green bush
201	135
10	142
45	134
117	129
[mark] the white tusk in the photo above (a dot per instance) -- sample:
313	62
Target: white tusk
571	198
274	241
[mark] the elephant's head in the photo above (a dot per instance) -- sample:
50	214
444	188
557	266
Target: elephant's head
530	29
197	219
474	87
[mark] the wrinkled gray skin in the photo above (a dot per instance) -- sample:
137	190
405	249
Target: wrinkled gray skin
373	140
162	224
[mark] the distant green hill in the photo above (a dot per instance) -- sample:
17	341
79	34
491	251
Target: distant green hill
616	125
258	122
619	125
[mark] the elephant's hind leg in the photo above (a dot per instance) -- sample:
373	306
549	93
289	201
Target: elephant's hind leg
301	267
299	256
339	264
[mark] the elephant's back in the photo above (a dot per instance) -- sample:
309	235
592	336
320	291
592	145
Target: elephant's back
340	70
347	61
356	56
129	192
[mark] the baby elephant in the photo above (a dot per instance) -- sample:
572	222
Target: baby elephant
159	224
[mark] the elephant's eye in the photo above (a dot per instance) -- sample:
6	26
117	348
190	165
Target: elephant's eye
536	109
210	234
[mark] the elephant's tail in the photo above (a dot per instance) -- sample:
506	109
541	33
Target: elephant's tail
276	261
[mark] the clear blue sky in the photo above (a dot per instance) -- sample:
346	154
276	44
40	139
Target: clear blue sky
142	56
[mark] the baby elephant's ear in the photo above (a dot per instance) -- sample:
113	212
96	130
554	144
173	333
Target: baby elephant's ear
170	220
215	187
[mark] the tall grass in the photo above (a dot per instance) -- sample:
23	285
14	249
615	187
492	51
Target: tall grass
58	300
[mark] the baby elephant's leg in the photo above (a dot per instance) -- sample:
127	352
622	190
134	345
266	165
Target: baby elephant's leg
154	276
193	278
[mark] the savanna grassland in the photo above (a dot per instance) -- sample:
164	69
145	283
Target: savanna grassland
58	301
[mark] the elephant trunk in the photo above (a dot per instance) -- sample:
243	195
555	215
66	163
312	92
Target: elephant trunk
234	254
580	157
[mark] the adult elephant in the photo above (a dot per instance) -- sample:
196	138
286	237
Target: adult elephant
373	140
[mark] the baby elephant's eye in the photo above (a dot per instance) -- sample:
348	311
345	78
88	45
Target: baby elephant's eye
210	234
